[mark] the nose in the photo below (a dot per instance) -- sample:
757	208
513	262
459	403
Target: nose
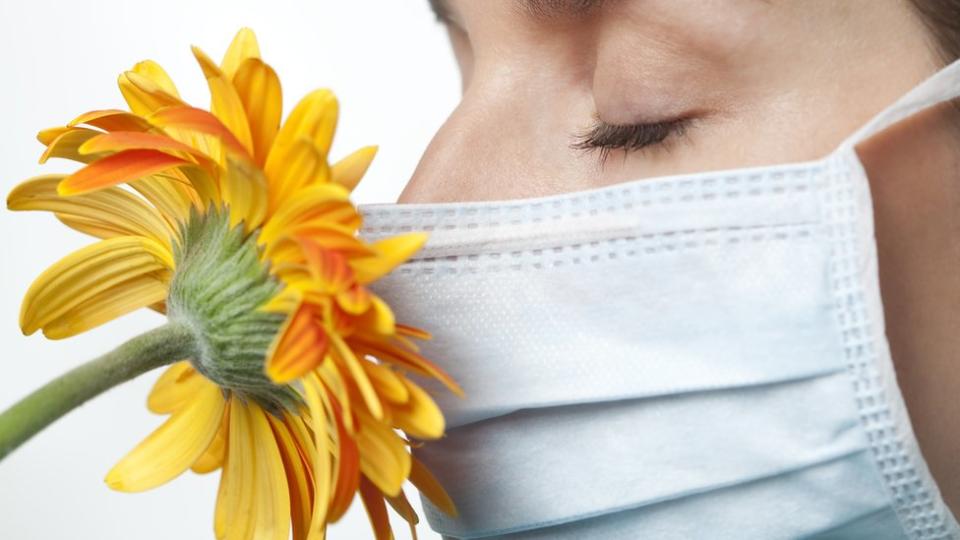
509	137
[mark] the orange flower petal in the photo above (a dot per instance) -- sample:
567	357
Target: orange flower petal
348	467
360	379
300	346
376	510
297	466
116	169
112	120
327	267
402	506
133	140
423	479
379	348
411	331
199	121
354	300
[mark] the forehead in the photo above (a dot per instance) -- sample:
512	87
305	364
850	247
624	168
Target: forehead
546	9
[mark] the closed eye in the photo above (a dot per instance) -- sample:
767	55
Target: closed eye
605	138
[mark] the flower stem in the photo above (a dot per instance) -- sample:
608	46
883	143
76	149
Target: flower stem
164	345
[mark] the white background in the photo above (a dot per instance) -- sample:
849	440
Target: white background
389	63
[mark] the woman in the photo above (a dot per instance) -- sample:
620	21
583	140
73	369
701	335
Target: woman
621	431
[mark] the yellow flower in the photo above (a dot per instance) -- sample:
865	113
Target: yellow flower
239	230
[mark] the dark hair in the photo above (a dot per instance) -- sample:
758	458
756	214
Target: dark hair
942	17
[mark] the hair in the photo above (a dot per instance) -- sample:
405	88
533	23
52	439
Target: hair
942	17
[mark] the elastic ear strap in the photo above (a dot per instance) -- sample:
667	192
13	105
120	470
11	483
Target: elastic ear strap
942	86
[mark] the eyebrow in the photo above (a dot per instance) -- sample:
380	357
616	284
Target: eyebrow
554	9
539	9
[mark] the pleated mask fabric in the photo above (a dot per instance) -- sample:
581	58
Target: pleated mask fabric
695	356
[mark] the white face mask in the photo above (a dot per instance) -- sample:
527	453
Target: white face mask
681	357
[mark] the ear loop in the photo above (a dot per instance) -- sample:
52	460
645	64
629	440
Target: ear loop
943	85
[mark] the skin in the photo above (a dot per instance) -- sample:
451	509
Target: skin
763	82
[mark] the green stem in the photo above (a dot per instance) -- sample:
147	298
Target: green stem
164	345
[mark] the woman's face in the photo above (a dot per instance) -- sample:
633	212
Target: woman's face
562	95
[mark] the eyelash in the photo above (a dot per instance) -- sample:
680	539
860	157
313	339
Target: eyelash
606	138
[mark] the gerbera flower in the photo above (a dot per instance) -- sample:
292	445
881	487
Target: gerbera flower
294	378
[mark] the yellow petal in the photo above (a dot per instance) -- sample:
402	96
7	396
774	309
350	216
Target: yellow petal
116	301
235	513
225	103
170	197
328	203
419	417
67	145
379	318
215	454
333	382
359	376
304	165
313	392
348	171
113	207
243	47
143	95
314	117
244	190
298	477
112	120
388	384
220	524
88	272
355	300
173	447
286	301
383	457
174	388
259	89
391	252
152	70
271	496
203	184
331	236
47	136
96	228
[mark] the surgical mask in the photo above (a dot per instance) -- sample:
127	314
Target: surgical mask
695	356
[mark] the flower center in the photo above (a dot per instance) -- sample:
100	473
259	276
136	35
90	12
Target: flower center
218	288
